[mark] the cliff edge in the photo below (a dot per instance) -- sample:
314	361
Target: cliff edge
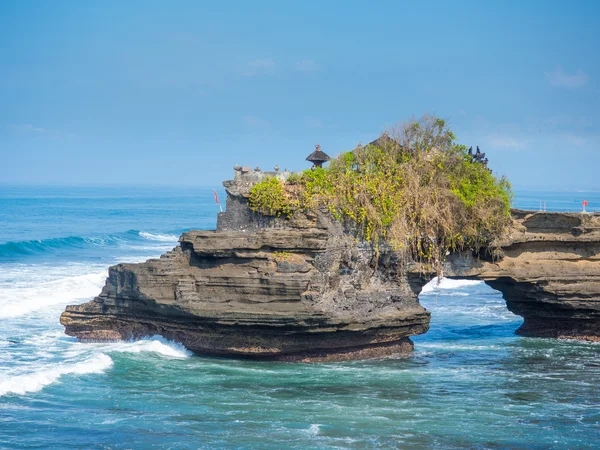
298	289
549	273
306	289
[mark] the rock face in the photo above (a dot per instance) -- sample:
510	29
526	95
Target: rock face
305	289
549	275
261	287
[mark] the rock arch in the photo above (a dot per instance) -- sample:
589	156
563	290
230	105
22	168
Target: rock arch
549	273
305	290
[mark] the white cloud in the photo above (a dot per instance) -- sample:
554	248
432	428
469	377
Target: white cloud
313	122
560	78
566	121
29	130
254	123
258	67
268	66
575	140
506	142
306	65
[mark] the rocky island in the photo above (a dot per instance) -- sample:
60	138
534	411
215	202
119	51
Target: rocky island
296	279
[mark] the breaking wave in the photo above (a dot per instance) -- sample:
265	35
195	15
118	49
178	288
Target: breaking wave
54	245
159	237
448	283
35	381
154	344
20	300
93	358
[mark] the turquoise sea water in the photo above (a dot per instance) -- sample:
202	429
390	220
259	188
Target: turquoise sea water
472	383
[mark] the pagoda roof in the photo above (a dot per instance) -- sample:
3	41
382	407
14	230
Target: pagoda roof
383	141
318	156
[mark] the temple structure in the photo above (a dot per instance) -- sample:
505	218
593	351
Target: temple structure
318	157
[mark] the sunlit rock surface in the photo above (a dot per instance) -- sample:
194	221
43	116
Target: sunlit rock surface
549	275
304	289
261	287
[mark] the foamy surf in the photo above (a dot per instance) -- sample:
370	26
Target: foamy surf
71	245
155	344
94	359
159	237
30	295
448	283
314	429
36	381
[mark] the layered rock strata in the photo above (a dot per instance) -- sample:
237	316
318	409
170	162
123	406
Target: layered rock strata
549	273
306	289
299	289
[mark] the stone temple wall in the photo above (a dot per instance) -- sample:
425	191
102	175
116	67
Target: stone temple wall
237	215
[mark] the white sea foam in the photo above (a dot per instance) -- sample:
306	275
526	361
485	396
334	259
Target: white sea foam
159	237
453	294
31	295
314	429
448	283
468	347
155	344
93	358
156	250
35	381
142	258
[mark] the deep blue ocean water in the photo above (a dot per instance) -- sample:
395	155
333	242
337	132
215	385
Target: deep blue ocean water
472	383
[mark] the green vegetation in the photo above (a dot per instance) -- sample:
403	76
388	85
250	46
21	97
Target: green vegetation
269	198
417	190
282	256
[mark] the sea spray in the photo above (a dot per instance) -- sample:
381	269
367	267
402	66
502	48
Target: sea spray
78	359
448	283
29	295
159	237
154	344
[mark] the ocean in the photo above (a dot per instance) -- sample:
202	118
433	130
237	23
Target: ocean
471	383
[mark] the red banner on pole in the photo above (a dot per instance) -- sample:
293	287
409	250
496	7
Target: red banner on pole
217	200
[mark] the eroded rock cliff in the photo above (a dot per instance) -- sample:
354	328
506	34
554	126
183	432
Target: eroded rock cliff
299	289
549	273
306	289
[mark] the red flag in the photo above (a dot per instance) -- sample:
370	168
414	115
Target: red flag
216	197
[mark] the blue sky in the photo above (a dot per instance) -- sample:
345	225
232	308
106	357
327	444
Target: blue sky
176	93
